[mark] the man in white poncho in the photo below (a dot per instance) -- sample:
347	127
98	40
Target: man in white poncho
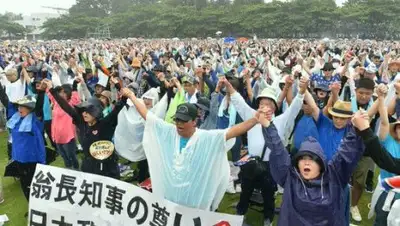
188	166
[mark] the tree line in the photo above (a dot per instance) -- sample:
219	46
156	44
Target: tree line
378	19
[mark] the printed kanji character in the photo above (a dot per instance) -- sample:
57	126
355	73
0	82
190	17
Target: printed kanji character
114	198
160	216
137	201
61	222
67	184
41	186
91	194
86	223
178	217
37	215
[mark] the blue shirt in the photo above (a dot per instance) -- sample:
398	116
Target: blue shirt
46	108
182	143
329	136
319	79
28	147
304	128
393	147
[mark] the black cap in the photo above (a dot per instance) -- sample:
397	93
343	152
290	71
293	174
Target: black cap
186	112
203	103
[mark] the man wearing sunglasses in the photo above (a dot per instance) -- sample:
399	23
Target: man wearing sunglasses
325	77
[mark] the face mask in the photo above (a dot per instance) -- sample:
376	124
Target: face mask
335	65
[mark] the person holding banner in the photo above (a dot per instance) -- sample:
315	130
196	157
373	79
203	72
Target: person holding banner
96	132
188	166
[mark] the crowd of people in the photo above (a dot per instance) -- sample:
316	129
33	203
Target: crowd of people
310	119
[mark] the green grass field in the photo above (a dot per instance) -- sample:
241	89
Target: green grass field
15	205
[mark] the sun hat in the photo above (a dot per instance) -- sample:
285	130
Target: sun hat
270	93
341	109
28	101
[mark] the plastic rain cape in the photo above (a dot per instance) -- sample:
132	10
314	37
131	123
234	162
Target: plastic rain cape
128	135
196	176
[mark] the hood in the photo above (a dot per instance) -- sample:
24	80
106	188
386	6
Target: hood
152	94
311	145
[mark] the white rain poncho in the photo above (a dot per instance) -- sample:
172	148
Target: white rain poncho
128	135
196	176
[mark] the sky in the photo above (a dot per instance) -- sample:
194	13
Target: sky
26	7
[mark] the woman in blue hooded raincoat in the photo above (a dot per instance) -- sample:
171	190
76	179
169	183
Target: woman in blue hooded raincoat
314	186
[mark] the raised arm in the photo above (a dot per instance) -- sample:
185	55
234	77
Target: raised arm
351	149
384	127
335	88
112	119
241	128
3	96
279	158
140	107
243	109
378	153
314	108
63	103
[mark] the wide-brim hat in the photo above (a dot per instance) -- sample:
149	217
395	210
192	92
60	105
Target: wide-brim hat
28	101
107	94
394	64
341	109
269	93
92	106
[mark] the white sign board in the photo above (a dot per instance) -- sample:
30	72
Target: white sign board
71	198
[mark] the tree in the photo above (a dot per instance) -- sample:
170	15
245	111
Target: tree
8	26
196	18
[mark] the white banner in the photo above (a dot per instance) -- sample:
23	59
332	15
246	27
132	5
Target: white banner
68	198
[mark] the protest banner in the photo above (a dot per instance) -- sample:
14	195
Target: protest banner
68	198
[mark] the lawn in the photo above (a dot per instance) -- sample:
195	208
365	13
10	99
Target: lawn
15	205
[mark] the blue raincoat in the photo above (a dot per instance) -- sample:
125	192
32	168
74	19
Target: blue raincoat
319	201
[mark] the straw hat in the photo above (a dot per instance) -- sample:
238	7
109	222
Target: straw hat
341	109
395	64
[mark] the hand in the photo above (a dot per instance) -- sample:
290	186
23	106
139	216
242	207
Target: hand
335	88
264	116
114	80
228	85
360	120
161	76
48	83
381	91
303	84
125	92
78	79
289	80
219	84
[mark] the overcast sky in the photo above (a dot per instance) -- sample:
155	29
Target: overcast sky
27	7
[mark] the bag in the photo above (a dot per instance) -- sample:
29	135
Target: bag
12	169
50	156
255	165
